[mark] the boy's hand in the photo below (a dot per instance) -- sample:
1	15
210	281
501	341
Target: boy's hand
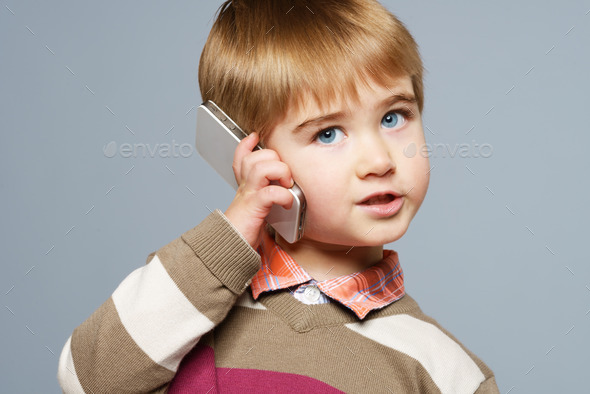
254	171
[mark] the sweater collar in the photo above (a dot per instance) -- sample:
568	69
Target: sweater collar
362	292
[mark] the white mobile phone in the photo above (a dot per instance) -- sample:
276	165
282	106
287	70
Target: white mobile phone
217	139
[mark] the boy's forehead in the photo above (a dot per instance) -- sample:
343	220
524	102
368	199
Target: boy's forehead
373	96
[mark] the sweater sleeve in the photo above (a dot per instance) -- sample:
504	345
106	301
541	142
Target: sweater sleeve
488	386
134	342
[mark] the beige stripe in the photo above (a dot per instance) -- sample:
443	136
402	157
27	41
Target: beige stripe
66	374
488	387
157	315
334	354
150	257
450	367
206	292
107	360
223	250
247	301
303	317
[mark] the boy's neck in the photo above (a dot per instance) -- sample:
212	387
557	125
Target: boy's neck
326	261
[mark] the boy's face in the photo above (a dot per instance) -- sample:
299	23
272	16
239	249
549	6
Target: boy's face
359	152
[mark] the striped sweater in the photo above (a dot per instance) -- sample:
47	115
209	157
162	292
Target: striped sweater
184	322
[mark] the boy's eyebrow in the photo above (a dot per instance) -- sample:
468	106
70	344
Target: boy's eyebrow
389	101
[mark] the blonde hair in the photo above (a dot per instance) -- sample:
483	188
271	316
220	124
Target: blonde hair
263	56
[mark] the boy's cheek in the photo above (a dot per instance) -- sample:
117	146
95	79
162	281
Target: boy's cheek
322	181
326	202
309	173
321	199
421	182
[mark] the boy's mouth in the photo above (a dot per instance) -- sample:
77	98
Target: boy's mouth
382	204
378	199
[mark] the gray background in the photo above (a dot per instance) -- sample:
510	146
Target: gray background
495	254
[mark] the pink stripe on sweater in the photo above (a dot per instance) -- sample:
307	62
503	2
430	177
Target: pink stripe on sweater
197	373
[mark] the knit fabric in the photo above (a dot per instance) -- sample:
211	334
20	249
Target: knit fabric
184	322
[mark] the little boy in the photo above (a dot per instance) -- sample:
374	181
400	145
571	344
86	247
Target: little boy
333	91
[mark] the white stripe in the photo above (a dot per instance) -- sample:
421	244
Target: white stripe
450	367
158	316
247	301
66	373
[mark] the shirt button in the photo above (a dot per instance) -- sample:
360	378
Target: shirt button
312	293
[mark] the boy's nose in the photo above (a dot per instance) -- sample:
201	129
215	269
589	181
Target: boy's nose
375	157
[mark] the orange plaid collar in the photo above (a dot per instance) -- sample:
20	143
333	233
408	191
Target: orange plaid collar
372	288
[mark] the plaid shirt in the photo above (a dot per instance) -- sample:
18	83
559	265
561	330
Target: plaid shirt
372	288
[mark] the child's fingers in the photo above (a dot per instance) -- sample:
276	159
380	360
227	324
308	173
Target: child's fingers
251	158
274	194
264	172
243	149
264	163
263	181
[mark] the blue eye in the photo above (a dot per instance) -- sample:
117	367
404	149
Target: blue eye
330	136
391	120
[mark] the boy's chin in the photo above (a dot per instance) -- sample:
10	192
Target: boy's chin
374	237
